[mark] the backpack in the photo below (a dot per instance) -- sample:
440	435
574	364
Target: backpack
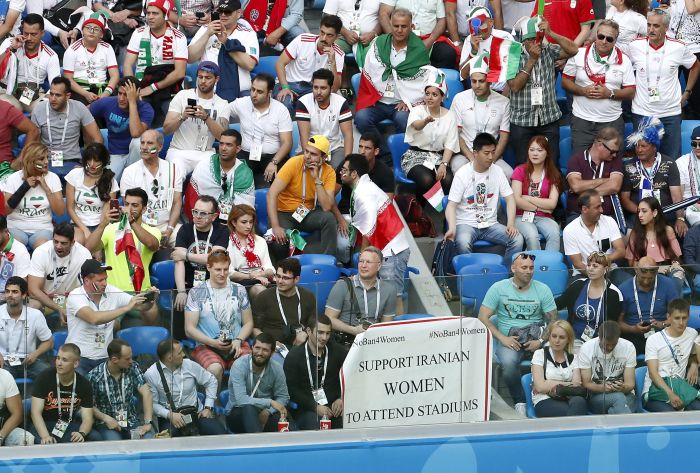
418	223
444	271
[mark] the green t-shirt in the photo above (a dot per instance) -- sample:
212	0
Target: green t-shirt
514	308
119	275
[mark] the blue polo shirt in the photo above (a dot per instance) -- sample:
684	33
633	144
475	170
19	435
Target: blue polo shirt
117	121
665	292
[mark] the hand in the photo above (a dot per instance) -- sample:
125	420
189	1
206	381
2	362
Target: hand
77	437
17	42
188	20
137	299
263	280
206	413
366	38
62	316
681	228
440	172
201	113
90	97
32	181
272	39
166	234
475	40
215	28
177	420
535	50
337	407
111	423
285	93
219	345
428	43
343	227
323	411
358	329
589	91
511	342
351	38
330	53
511	231
263	417
300	338
692	375
684	98
204	20
401	107
64	38
120	16
544	26
279	407
532	345
235	348
146	91
279	234
643	328
43	184
111	215
270	172
30	358
428	119
180	301
131	23
178	254
450	234
132	92
143	429
47	440
676	401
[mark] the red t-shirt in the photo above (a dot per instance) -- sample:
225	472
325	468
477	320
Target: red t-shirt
11	118
565	17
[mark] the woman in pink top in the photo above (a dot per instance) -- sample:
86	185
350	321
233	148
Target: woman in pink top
536	187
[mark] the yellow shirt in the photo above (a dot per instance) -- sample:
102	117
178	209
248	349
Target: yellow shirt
291	173
119	275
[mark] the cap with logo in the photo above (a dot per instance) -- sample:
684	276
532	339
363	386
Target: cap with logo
321	143
92	266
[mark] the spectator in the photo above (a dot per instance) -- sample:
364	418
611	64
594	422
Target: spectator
256	402
90	64
459	14
670	363
630	15
175	377
32	61
218	318
689	173
591	301
554	367
250	260
283	311
223	176
162	181
600	76
536	187
530	304
11	434
591	232
607	365
22	360
165	51
129	243
31	195
599	168
126	118
54	421
432	136
14	257
192	16
473	203
572	21
656	62
294	203
266	128
13	120
276	22
122	22
360	23
61	122
89	189
92	309
533	101
646	297
61	33
684	27
55	270
196	118
481	110
691	253
322	112
314	386
237	38
114	384
306	54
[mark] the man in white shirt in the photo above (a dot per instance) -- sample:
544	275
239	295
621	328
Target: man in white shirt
196	117
600	77
607	365
360	22
24	335
689	170
266	128
322	112
479	30
473	203
230	36
11	434
14	257
162	181
54	270
481	110
93	308
656	60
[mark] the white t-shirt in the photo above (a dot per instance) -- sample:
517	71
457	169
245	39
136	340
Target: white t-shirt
15	338
20	263
688	165
437	135
262	127
425	13
685	27
162	52
89	337
88	205
364	20
169	179
618	74
632	25
607	366
17	5
658	69
8	386
306	59
34	211
564	373
90	66
578	240
474	116
658	349
326	121
492	184
243	33
193	134
238	259
35	69
60	274
484	47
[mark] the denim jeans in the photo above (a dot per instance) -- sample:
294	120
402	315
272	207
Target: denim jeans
394	269
245	420
299	89
671	142
574	406
368	119
124	434
510	360
612	403
86	365
660	406
30	240
496	233
119	162
545	226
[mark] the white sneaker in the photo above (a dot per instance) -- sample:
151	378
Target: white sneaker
521	408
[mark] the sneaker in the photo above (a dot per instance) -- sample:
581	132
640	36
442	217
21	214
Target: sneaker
521	408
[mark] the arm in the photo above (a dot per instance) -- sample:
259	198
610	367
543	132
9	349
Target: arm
325	198
27	127
41	349
384	17
58	206
136	126
340	326
497	14
280	66
619	247
36	291
9	22
85	425
14	405
693	6
97	317
500	147
451	217
304	130
346	130
451	19
541	385
174	77
195	50
285	146
583	35
277	186
144	236
577	262
92	134
175	211
129	63
510	210
147	401
627	203
517	83
172	122
38	421
438	30
548	204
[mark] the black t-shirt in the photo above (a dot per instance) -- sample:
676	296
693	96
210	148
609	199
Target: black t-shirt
44	387
267	317
185	239
666	176
382	175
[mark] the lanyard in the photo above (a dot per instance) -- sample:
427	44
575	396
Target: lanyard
600	301
591	233
670	348
658	71
279	303
196	240
636	299
65	123
72	398
303	189
54	258
109	391
220	315
7	330
308	366
255	388
598	170
649	175
376	308
551	354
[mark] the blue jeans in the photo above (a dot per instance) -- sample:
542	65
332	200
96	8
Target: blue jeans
125	434
245	420
31	240
671	142
74	426
299	89
394	269
119	162
510	360
86	365
575	406
660	406
496	233
612	403
545	226
368	119
33	370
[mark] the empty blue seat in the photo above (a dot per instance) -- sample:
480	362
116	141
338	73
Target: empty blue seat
555	275
315	258
526	382
261	210
451	74
694	320
59	338
143	340
564	154
266	65
639	376
191	75
397	147
454	86
564	132
163	277
460	261
319	279
64	218
476	279
543	256
355	81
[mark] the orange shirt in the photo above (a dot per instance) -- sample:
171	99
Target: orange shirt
292	173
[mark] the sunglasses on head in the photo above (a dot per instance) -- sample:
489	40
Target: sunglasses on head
527	256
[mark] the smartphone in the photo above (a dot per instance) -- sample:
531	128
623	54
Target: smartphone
149	296
192	103
114	204
199	14
215	16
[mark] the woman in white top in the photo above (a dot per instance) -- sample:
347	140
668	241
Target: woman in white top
31	195
630	15
432	134
89	189
554	365
250	260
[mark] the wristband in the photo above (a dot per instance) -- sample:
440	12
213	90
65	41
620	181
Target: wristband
154	87
83	434
286	87
524	71
109	89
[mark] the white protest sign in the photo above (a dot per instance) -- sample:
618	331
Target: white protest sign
416	372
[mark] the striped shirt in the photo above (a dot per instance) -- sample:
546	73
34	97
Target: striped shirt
325	121
522	112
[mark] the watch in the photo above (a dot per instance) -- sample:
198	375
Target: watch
612	94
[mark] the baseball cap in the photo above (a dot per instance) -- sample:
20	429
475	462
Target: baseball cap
92	266
321	143
209	66
696	133
229	5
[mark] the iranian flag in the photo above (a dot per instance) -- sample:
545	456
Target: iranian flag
124	242
435	196
504	59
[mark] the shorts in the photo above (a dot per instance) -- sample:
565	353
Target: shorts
206	356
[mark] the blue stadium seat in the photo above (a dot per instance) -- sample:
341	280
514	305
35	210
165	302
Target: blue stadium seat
191	75
564	132
694	320
261	210
401	317
143	340
509	156
166	143
639	375
65	218
454	86
687	127
544	256
451	74
266	65
460	261
476	279
295	139
319	279
59	338
397	147
555	275
564	154
355	81
526	382
163	277
314	258
235	126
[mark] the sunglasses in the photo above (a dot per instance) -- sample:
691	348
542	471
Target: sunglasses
224	183
609	39
155	187
695	144
527	256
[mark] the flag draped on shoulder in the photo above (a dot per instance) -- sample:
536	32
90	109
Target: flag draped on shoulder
125	243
